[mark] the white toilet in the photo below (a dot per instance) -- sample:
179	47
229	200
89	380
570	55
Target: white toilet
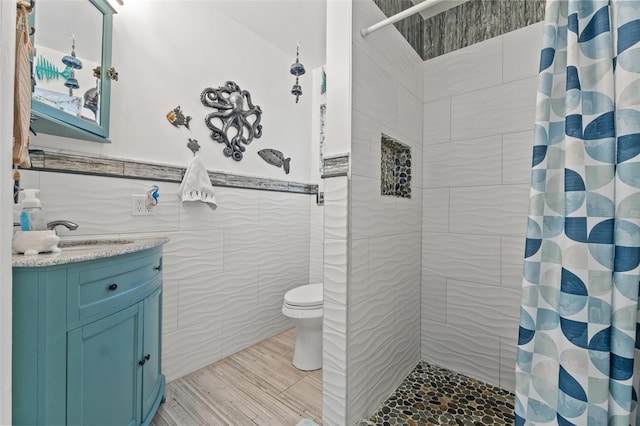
304	306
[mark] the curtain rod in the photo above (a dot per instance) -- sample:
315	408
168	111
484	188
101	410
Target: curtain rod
401	15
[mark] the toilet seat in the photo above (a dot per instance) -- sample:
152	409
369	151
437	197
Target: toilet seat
304	297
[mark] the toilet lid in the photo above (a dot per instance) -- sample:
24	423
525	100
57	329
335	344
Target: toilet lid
306	295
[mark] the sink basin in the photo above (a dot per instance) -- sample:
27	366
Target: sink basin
91	244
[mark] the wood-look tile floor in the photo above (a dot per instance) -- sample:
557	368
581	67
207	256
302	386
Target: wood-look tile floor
257	386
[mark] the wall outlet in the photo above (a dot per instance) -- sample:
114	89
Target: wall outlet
139	206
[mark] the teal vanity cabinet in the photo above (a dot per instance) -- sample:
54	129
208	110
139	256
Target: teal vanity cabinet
82	30
86	341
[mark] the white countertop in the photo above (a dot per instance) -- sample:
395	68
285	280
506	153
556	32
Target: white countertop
81	250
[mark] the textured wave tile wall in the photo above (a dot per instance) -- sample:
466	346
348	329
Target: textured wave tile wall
193	253
508	353
373	215
411	27
477	168
495	309
236	208
316	229
384	317
451	75
473	354
190	348
385	242
225	270
334	357
470	162
516	157
506	108
103	205
394	60
466	257
492	210
511	261
336	193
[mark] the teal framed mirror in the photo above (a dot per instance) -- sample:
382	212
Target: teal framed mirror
71	68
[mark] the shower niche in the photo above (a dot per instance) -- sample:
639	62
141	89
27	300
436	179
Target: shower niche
395	168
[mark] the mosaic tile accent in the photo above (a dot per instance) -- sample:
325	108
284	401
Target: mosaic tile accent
395	168
463	25
323	123
431	395
103	166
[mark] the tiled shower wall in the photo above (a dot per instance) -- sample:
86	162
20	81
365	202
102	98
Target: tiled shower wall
384	284
478	135
225	271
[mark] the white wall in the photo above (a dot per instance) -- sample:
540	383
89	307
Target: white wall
478	129
225	271
7	58
166	52
384	286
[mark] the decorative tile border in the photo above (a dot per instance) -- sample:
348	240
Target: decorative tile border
335	166
109	167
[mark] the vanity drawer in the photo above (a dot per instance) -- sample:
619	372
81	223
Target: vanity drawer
111	284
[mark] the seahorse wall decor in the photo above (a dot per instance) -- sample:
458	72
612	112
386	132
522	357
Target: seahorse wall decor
232	123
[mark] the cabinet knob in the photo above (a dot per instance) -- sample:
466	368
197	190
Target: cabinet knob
113	287
157	268
145	359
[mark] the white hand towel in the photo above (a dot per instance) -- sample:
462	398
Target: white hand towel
196	185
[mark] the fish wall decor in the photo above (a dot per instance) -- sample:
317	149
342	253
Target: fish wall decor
177	118
275	158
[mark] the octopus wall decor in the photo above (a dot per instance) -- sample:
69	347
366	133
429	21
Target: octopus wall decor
237	120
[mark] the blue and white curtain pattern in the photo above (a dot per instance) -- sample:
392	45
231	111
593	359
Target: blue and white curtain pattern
578	326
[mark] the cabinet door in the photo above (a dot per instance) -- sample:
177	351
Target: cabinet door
104	372
151	378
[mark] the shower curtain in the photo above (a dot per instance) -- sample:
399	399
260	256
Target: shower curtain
578	333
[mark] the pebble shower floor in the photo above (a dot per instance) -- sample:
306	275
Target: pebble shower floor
431	395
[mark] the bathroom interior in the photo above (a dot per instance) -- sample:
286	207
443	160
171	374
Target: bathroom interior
430	273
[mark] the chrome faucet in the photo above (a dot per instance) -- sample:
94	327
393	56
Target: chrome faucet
71	226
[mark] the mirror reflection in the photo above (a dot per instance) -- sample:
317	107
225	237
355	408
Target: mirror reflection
68	53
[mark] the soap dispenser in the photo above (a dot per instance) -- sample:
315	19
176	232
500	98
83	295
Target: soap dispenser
33	207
